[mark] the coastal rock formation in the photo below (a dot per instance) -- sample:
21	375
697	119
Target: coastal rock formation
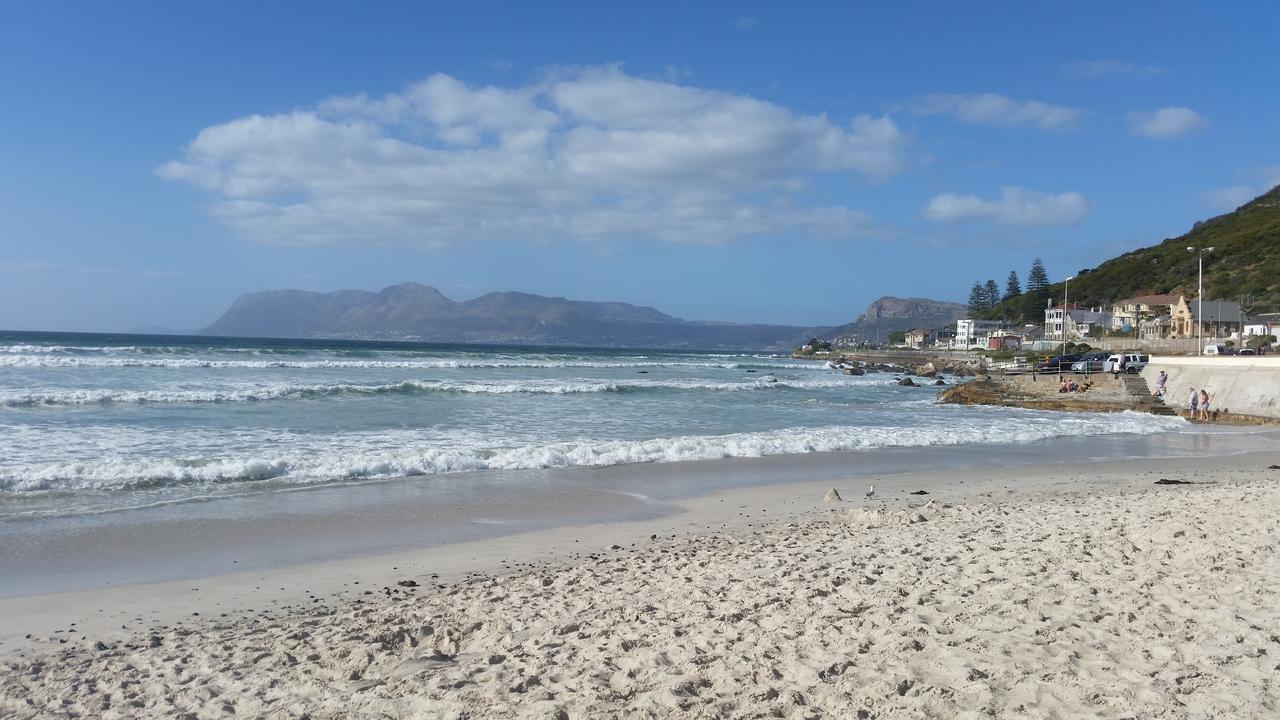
893	313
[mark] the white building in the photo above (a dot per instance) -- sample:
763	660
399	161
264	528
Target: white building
975	333
1072	322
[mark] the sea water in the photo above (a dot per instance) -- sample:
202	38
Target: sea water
93	424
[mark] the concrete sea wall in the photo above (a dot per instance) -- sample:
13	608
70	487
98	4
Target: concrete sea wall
1239	385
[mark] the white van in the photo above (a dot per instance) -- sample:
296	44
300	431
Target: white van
1133	362
1216	349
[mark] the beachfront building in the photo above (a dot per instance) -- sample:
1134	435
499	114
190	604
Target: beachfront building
975	333
1214	318
920	337
1128	314
1262	324
1073	322
1004	340
1159	327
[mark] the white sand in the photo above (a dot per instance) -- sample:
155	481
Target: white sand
1132	601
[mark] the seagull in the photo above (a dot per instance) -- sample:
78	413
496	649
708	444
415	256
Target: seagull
871	492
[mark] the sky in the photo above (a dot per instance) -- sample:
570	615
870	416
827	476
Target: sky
738	161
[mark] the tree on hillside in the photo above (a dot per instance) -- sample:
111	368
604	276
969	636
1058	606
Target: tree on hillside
1011	287
977	299
991	293
1038	280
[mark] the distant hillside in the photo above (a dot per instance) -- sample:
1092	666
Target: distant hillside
890	313
1245	262
410	311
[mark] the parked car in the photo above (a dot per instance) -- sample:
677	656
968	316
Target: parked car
1090	362
1247	351
1057	363
1217	349
1133	362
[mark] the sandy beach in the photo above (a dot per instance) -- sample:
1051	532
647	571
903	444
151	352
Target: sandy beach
1051	591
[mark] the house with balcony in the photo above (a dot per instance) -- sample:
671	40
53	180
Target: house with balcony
920	337
1128	314
975	333
1069	323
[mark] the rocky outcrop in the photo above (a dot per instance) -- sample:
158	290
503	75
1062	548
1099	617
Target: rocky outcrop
892	313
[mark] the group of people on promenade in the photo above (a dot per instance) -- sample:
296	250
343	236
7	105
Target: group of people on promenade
1198	402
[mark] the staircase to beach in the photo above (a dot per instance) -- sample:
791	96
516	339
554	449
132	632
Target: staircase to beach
1137	388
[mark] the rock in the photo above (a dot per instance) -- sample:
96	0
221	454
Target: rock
920	492
927	370
1167	481
907	382
939	382
832	495
408	583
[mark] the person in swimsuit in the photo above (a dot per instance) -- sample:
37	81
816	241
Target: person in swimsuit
1204	405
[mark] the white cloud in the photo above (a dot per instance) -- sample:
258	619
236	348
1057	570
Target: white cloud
1016	206
1170	122
745	22
1093	69
1230	198
587	153
1000	111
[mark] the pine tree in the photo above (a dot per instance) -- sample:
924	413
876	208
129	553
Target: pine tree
1038	280
991	293
977	299
1011	287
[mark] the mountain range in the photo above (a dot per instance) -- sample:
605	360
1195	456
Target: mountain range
411	311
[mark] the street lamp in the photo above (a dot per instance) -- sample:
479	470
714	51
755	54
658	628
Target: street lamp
1200	298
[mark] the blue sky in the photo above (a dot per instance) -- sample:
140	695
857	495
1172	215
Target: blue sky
729	161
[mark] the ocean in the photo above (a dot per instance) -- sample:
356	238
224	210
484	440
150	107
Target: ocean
93	424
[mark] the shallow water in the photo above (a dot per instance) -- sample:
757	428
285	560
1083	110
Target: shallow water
129	459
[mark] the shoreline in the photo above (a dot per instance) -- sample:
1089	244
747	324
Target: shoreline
299	526
450	618
119	611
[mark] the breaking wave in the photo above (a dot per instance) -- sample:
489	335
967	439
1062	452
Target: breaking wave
59	361
94	396
355	458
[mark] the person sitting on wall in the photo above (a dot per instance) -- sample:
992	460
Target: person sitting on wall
1161	379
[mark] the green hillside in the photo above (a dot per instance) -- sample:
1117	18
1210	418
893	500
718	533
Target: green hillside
1244	265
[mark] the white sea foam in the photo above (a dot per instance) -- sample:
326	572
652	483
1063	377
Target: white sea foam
345	458
61	361
92	396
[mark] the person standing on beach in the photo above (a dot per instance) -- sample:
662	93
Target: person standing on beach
1204	405
1195	404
